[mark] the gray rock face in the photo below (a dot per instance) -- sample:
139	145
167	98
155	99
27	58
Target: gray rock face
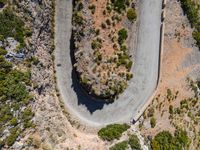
17	146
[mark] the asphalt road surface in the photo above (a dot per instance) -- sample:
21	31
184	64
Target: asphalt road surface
146	57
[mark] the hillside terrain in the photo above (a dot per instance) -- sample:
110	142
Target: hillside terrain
174	112
33	114
101	34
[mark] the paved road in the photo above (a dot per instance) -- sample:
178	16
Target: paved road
145	69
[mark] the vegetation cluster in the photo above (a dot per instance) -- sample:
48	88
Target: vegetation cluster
192	10
101	74
184	117
166	141
132	143
15	113
15	110
113	131
11	26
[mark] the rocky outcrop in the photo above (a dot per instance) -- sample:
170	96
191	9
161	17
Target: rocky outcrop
100	33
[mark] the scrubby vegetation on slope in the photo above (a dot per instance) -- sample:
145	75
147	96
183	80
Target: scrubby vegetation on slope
15	115
132	143
101	50
120	146
114	131
192	10
15	111
166	141
11	26
184	117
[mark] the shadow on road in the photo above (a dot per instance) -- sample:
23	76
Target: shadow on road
92	104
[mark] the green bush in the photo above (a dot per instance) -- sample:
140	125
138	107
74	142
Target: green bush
129	65
166	141
92	8
32	60
12	26
13	97
120	146
13	136
3	51
134	142
192	11
77	18
96	44
103	25
196	35
150	112
131	14
13	121
171	109
153	122
119	5
114	131
122	35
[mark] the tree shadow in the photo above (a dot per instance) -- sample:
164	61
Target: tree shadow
92	104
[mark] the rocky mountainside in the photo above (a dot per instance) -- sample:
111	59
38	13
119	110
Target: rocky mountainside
101	31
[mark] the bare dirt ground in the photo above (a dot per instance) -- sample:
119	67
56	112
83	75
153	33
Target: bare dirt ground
180	60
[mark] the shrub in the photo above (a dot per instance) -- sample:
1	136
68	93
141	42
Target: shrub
181	138
150	112
162	141
196	35
97	31
165	141
129	76
77	18
92	8
12	137
103	25
13	97
131	14
108	22
119	5
171	109
134	142
13	121
129	65
192	11
153	122
111	132
120	146
12	26
3	51
80	6
96	44
122	35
